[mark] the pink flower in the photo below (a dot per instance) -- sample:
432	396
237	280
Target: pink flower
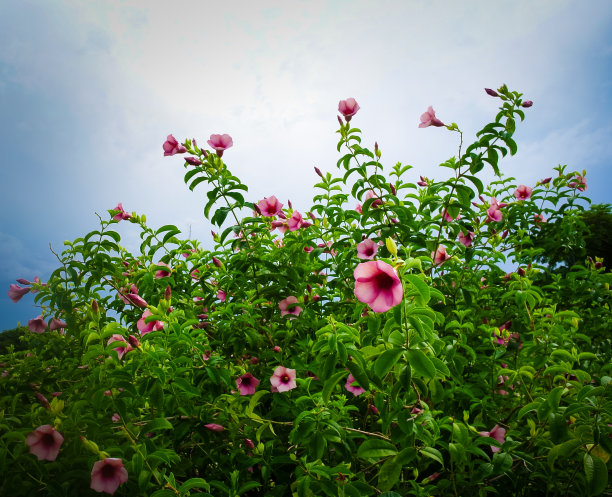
107	475
285	308
276	349
45	442
269	207
121	215
367	249
523	192
447	217
123	346
16	292
150	326
494	211
348	108
214	427
466	239
221	295
247	384
57	324
539	219
429	119
378	285
37	325
308	249
283	379
440	256
377	201
162	273
296	222
578	182
353	387
498	433
220	143
171	146
359	208
115	418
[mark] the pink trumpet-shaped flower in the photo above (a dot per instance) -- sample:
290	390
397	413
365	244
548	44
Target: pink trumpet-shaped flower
377	202
270	206
286	303
123	347
150	326
378	285
247	384
447	217
498	433
57	324
466	239
350	385
171	146
107	475
539	219
367	249
348	108
220	143
440	256
523	192
37	325
221	295
283	379
16	292
45	442
494	212
429	119
295	222
162	273
121	215
578	182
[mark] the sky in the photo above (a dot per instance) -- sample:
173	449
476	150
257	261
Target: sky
90	90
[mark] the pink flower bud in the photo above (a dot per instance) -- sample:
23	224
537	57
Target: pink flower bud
194	161
340	120
493	93
527	103
318	171
216	262
168	293
133	341
520	271
393	189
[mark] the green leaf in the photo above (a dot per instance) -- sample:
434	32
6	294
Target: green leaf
421	363
386	361
359	374
434	454
420	285
159	424
389	474
193	483
596	474
375	448
255	400
330	384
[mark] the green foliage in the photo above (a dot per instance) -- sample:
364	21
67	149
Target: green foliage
479	382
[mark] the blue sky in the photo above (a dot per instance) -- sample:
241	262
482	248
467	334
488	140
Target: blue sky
89	91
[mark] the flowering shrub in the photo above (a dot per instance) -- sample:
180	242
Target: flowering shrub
414	345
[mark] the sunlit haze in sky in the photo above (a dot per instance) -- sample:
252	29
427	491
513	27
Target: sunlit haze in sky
90	90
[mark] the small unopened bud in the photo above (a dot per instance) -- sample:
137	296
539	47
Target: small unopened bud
520	271
168	293
289	204
312	216
194	161
391	246
545	181
318	171
257	209
254	360
94	306
376	150
504	234
598	265
217	262
527	103
133	341
43	400
340	120
214	235
393	189
308	287
282	215
493	93
277	348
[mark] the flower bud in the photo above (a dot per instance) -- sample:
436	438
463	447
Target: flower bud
168	293
133	341
393	189
194	161
493	93
340	120
520	271
43	400
217	262
527	103
318	171
391	246
289	204
504	234
312	216
257	209
94	306
545	181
